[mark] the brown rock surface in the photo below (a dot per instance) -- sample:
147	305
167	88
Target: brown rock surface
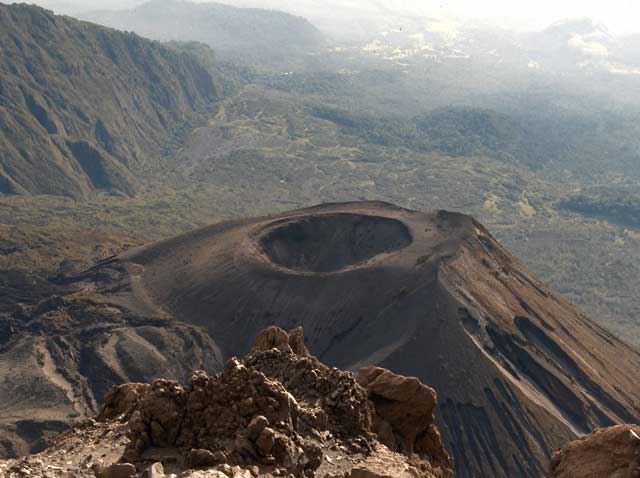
116	470
404	414
122	399
607	453
402	404
275	337
274	413
248	415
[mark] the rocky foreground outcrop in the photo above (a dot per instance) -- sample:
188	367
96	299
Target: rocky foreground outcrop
403	417
607	453
277	412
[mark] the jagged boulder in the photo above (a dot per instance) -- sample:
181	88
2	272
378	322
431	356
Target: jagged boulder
239	416
404	414
607	453
404	406
330	399
122	399
274	337
246	415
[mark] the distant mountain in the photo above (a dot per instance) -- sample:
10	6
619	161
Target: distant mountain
72	7
577	46
240	34
573	43
80	105
584	26
339	19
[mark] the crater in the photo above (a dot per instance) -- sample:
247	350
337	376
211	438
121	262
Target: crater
332	242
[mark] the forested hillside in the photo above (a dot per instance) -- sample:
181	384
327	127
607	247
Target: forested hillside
81	105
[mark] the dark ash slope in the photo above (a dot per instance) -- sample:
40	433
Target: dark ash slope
519	371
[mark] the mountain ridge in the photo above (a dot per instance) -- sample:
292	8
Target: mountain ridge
243	35
82	105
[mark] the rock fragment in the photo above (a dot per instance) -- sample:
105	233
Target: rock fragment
199	457
116	470
608	452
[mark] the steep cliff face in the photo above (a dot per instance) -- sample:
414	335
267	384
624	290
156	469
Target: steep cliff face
81	105
518	370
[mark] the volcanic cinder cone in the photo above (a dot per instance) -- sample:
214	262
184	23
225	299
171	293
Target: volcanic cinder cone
519	371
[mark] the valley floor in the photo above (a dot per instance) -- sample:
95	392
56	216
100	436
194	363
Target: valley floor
262	152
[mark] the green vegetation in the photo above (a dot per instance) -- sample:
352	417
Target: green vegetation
615	205
81	105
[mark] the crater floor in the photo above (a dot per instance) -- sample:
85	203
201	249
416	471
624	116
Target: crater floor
331	242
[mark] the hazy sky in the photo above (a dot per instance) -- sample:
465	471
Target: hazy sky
621	16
